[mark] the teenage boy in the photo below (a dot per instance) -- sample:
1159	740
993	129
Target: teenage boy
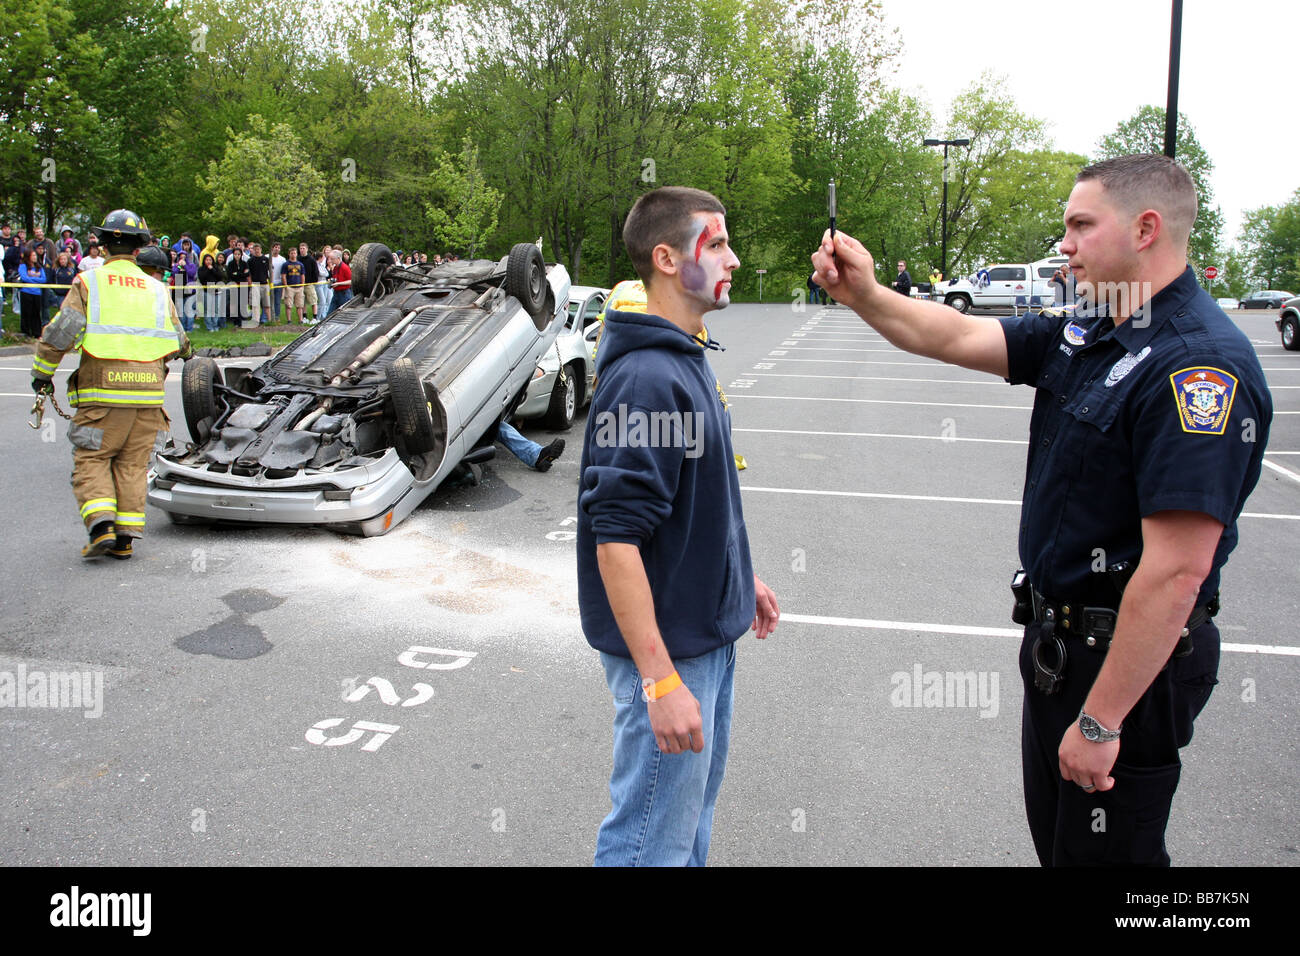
665	584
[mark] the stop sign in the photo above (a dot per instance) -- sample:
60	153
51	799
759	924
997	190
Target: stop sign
1211	272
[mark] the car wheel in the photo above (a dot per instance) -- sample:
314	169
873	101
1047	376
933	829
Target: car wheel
564	401
411	407
367	265
526	278
1291	333
198	396
959	302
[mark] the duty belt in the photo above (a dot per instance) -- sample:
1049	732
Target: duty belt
1095	626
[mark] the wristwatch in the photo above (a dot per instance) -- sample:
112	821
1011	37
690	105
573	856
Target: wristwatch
1094	731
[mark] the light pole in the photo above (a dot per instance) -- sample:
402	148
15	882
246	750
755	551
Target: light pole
943	226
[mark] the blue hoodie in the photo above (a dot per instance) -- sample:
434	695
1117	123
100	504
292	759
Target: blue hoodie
658	472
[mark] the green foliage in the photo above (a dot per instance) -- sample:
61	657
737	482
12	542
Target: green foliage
50	140
475	124
262	185
1270	241
463	212
1144	132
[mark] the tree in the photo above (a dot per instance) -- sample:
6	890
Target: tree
1144	132
51	142
463	213
1031	190
262	183
1270	241
992	176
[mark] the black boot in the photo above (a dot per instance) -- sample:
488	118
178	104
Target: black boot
549	454
101	539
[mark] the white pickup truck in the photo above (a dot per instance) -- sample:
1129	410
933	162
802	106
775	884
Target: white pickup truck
1002	285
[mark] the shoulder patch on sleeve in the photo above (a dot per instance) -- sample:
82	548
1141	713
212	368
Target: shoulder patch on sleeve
1204	397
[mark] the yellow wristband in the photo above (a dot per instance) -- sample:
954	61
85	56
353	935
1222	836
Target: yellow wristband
656	690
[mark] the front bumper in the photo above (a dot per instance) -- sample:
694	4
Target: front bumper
366	499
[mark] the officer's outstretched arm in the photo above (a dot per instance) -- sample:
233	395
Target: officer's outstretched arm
845	269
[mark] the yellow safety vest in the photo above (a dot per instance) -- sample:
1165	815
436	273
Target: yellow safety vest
127	315
627	296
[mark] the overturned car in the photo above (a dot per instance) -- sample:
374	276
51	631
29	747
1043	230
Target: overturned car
358	420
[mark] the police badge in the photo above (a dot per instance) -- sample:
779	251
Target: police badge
1204	396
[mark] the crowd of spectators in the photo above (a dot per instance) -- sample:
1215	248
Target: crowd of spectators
240	285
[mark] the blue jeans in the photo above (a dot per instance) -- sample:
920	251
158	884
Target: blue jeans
522	448
213	309
277	297
340	299
663	803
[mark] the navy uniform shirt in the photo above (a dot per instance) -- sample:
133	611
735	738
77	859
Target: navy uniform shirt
1170	414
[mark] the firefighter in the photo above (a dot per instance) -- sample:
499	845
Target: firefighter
125	326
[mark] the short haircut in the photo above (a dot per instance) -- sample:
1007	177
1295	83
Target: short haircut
1149	181
663	216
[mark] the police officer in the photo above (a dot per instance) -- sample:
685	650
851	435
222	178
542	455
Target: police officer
125	325
1149	424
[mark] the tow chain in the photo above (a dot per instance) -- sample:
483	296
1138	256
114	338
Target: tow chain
564	377
38	408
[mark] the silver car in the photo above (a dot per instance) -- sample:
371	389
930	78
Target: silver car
358	420
557	399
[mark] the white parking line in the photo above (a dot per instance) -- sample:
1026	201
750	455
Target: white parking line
818	348
803	335
1282	471
879	401
823	361
877	494
792	431
891	378
942	498
974	631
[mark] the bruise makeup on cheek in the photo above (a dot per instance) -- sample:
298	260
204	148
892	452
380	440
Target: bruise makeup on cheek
696	277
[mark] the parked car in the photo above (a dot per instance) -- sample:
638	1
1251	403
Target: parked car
359	419
1267	299
1002	285
555	398
1227	303
1288	324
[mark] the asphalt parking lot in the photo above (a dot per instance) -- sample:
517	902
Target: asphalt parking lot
277	696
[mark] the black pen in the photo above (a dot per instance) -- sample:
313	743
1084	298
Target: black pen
830	203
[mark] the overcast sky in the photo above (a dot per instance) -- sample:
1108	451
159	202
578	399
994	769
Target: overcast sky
1086	67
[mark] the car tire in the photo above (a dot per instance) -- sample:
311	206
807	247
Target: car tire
198	396
564	401
367	265
959	302
411	407
526	278
1291	333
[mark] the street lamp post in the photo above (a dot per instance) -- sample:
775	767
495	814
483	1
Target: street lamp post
943	225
